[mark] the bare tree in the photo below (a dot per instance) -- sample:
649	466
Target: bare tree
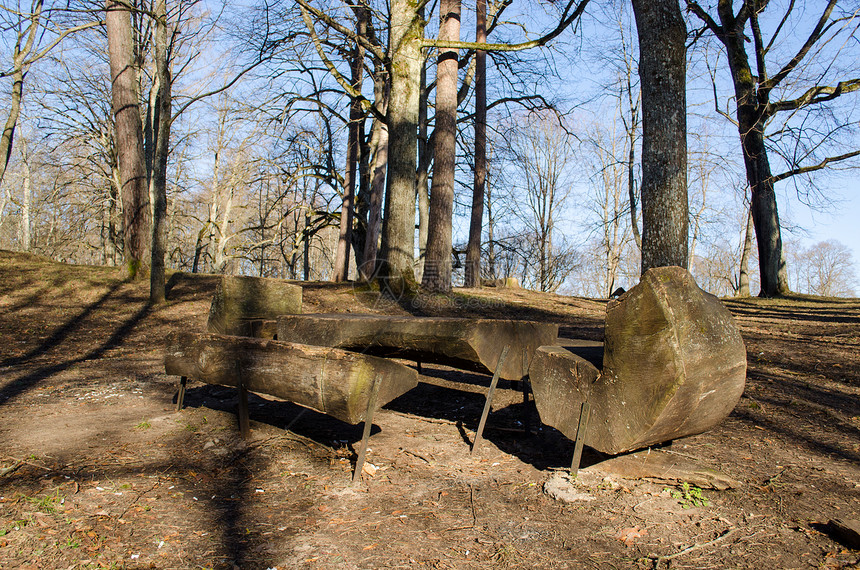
826	268
161	120
755	107
129	136
437	264
473	250
542	156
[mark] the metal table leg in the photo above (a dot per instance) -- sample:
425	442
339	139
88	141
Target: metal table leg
488	403
581	431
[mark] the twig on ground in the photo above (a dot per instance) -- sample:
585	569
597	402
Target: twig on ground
658	559
11	469
413	454
423	419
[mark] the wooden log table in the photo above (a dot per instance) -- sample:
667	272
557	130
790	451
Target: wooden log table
472	344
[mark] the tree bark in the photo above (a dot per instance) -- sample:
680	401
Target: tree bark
662	69
751	116
425	158
161	138
398	232
334	382
437	264
476	223
469	343
125	91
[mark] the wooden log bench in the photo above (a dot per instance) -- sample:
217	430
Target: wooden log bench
346	385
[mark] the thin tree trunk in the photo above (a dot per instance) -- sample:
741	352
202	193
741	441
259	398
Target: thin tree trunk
161	137
491	229
19	72
473	249
751	116
425	158
743	273
129	136
774	279
662	69
26	239
437	264
8	136
398	231
379	164
341	262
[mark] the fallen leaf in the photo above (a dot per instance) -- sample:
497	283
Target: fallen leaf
629	535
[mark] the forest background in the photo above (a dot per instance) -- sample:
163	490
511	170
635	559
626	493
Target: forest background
258	169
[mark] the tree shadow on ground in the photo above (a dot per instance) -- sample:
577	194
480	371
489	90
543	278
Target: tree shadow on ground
26	382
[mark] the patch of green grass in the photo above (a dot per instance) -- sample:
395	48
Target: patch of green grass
47	504
690	496
143	425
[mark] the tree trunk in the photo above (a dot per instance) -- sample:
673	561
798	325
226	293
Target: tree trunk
473	249
341	260
334	382
470	343
673	365
129	136
437	264
774	279
662	69
379	164
398	231
26	239
425	158
19	72
11	121
744	272
161	138
751	116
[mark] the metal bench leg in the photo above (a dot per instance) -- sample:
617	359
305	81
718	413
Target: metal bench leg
180	397
489	402
244	423
581	431
527	419
368	423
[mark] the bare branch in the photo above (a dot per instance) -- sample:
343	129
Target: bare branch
812	168
567	18
815	95
372	47
814	36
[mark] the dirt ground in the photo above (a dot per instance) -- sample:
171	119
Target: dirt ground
97	470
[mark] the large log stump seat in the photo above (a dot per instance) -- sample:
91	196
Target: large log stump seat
674	365
243	306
